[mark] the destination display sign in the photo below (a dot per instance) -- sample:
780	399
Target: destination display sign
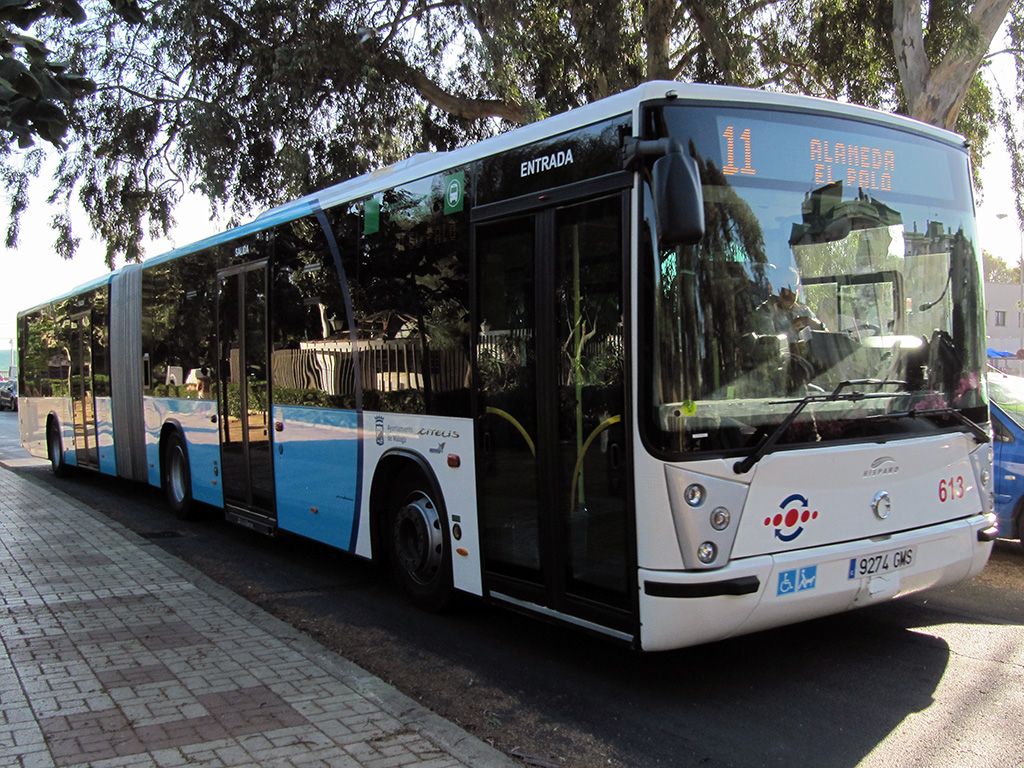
819	156
757	147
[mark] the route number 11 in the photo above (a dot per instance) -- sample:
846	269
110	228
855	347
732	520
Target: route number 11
730	168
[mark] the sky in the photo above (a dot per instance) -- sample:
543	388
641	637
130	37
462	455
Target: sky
32	273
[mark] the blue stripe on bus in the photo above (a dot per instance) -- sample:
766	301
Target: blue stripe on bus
317	473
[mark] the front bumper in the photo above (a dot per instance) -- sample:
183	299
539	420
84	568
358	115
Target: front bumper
678	609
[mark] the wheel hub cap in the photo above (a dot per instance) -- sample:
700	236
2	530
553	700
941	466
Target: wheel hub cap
419	542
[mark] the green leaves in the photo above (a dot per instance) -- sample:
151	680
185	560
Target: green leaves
27	102
24	13
127	10
255	102
35	92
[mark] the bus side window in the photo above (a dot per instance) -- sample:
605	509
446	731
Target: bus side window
312	357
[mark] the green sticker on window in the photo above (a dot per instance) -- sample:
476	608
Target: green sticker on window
371	216
454	192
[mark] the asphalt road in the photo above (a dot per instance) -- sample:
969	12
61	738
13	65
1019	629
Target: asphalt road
931	680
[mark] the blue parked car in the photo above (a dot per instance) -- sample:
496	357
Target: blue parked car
1006	398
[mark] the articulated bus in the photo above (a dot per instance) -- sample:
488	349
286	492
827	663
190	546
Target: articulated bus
685	363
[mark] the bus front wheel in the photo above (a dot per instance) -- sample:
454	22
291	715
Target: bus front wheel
178	477
418	546
55	450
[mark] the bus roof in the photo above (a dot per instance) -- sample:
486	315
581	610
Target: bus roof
429	163
84	287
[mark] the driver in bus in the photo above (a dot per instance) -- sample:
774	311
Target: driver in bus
786	323
783	312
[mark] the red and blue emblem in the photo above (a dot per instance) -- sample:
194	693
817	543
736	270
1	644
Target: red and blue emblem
790	522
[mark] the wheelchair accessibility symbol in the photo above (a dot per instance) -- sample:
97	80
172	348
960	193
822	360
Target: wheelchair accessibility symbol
797	580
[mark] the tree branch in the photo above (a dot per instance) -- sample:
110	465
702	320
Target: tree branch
1012	51
458	106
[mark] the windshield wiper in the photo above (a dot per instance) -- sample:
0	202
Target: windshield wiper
981	435
761	449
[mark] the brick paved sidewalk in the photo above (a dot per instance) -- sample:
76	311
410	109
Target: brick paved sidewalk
114	653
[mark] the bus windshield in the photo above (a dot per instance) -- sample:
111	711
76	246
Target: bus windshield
837	255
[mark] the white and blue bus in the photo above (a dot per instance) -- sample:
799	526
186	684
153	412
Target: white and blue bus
682	364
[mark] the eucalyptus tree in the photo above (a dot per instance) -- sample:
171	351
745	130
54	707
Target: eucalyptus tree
252	102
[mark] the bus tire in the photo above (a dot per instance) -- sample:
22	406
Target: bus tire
419	550
55	450
177	477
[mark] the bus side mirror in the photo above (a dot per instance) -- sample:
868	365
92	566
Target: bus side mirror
678	200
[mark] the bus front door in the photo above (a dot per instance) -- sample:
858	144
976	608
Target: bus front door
553	455
246	466
83	403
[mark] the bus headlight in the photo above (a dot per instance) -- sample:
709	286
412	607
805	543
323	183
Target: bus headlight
707	552
720	518
707	513
694	494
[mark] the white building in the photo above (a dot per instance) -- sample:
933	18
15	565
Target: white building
1004	325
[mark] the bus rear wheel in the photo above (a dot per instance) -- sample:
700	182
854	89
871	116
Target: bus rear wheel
418	546
55	450
178	477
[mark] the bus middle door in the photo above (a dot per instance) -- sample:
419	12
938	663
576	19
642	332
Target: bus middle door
243	391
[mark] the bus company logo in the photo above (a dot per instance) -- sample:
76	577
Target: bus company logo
790	522
447	434
884	465
378	422
545	163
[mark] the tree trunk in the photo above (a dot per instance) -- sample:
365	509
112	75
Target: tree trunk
657	37
935	93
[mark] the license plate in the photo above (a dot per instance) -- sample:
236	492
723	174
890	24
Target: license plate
883	562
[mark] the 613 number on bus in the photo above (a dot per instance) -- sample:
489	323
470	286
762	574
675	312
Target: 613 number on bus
952	488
